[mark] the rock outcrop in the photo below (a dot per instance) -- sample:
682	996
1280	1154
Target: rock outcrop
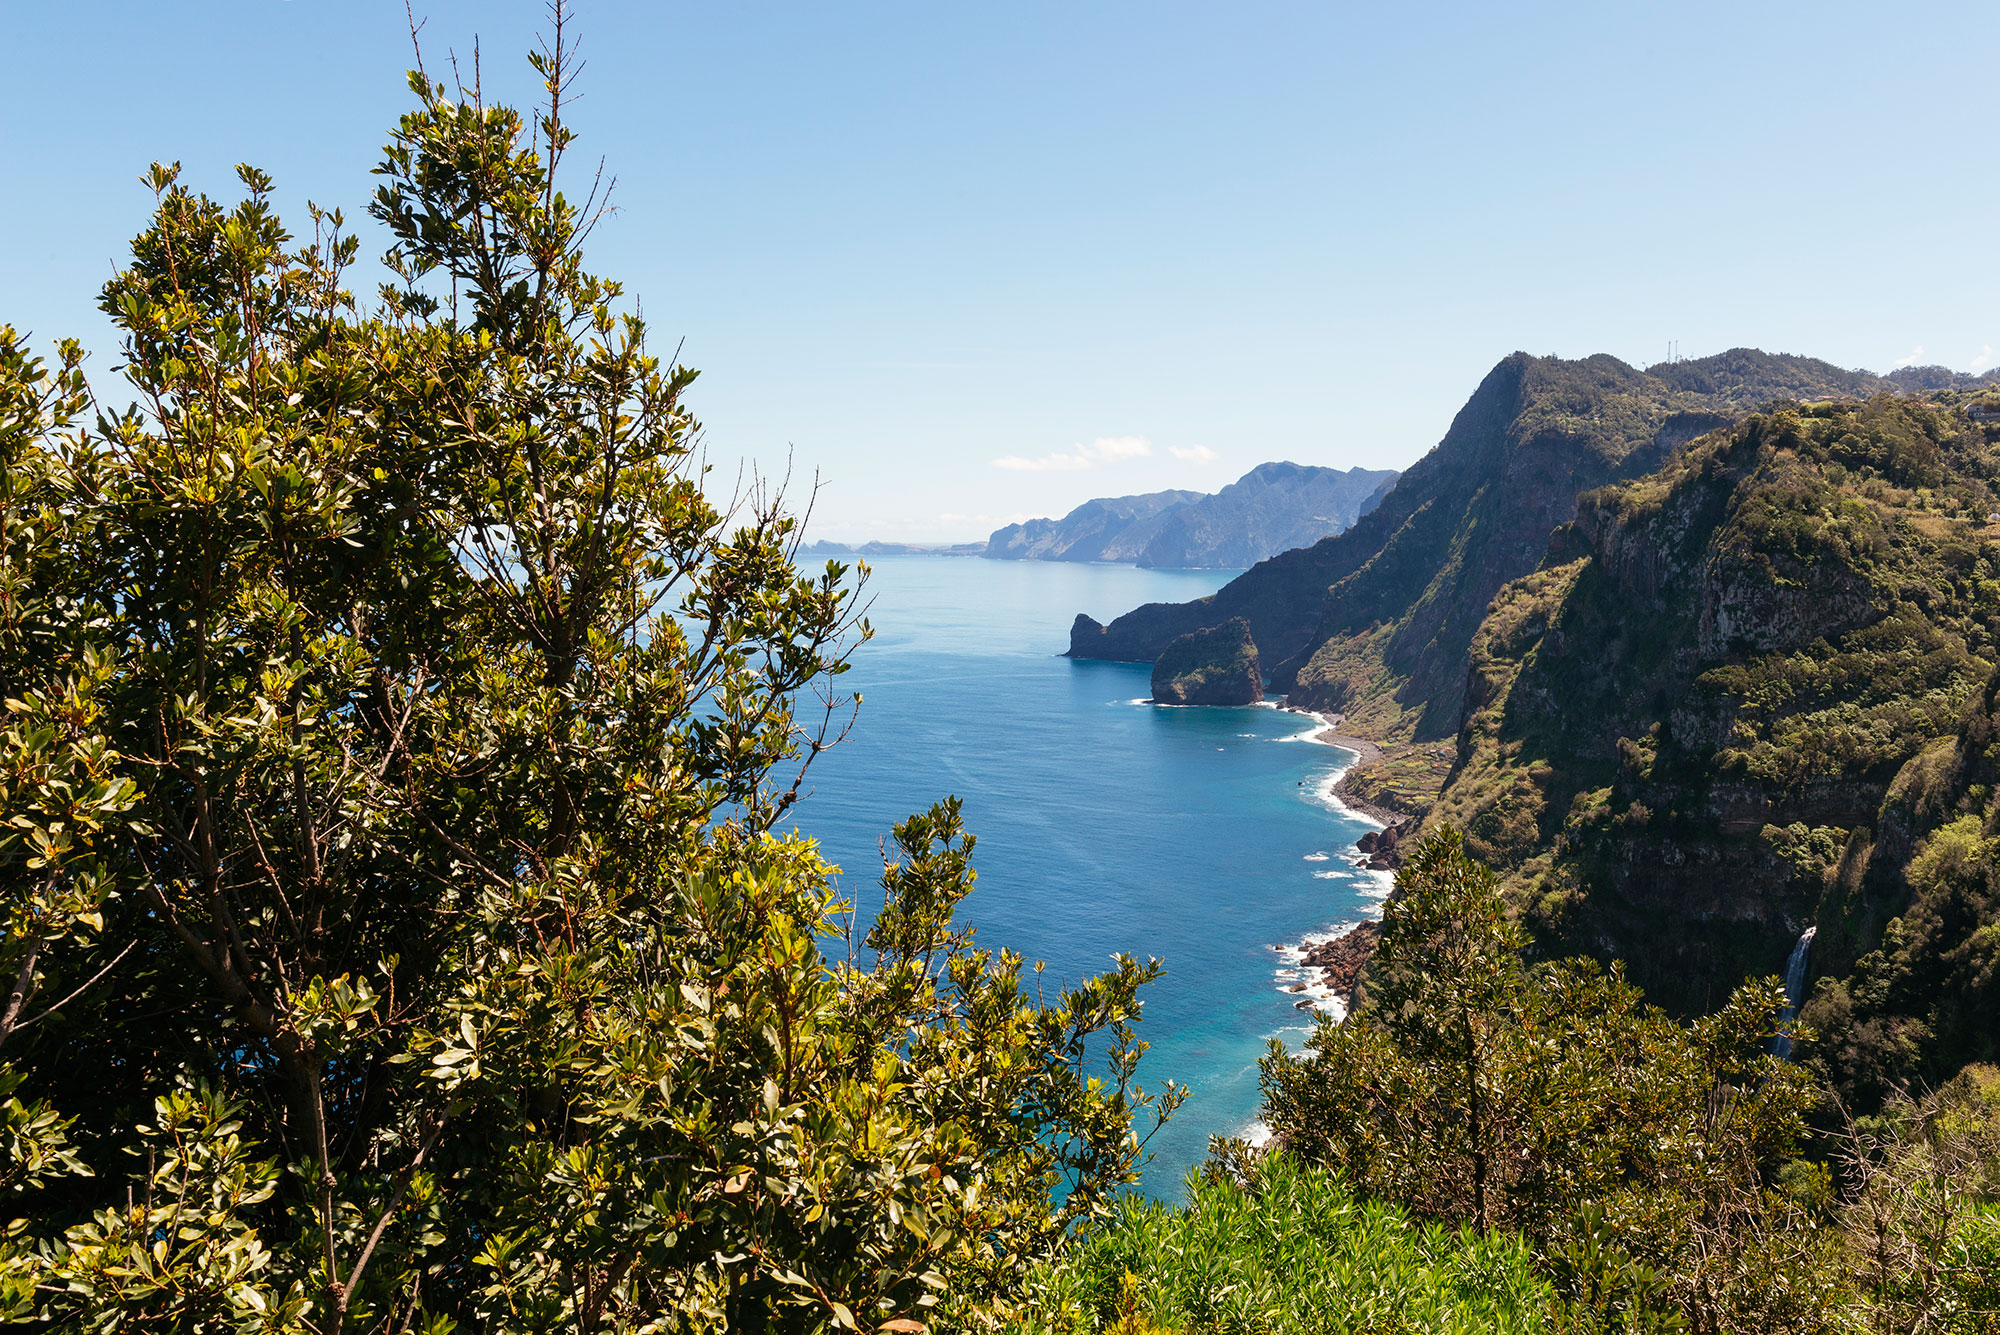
1341	960
1380	848
1217	666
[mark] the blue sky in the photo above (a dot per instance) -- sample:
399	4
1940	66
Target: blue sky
1114	247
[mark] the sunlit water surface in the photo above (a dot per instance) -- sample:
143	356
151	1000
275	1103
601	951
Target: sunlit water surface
1204	836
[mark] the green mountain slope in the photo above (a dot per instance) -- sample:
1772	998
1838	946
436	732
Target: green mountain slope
1681	731
1377	622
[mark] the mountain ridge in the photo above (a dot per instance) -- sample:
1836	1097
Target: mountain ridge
1273	507
1375	622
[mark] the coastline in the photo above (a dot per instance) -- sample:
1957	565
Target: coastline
1366	753
1337	957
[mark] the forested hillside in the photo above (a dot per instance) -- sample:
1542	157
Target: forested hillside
1681	732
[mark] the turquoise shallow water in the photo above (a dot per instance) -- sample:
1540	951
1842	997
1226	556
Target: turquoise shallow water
1204	836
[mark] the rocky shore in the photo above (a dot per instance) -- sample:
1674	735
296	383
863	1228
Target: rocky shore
1366	753
1381	848
1341	960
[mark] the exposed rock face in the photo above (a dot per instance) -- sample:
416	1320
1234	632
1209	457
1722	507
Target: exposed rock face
1341	960
1217	666
1272	508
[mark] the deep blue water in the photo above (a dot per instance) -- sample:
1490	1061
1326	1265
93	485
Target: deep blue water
1203	836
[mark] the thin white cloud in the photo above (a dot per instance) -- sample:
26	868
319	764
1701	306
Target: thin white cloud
1103	450
1193	454
1048	463
1916	355
1984	359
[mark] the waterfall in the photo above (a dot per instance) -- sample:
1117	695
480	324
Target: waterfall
1795	990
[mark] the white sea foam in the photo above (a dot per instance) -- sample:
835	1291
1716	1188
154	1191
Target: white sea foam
1317	857
1302	982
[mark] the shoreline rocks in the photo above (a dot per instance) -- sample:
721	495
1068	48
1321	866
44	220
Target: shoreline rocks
1341	960
1381	848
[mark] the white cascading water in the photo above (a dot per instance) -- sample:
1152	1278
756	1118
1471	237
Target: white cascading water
1795	990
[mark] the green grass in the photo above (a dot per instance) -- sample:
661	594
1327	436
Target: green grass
1290	1251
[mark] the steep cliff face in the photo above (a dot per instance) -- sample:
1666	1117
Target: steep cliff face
1215	666
1911	991
1680	729
1377	623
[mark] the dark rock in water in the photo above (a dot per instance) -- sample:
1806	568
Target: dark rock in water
1341	960
1217	666
1379	849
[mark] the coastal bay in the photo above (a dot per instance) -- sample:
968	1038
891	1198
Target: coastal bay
1207	836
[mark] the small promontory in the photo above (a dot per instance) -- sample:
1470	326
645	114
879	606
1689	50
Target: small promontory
1217	666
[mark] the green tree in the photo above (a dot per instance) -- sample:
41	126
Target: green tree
1639	1155
398	750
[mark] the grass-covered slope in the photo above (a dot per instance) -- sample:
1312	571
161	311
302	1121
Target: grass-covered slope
1287	1251
1681	731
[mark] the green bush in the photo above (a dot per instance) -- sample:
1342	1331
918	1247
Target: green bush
1284	1248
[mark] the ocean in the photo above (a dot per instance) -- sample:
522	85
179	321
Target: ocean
1208	837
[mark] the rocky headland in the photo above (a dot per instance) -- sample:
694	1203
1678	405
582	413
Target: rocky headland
1217	666
1697	657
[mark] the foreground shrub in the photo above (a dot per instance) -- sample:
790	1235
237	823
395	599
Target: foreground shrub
1922	1212
1284	1248
1477	1088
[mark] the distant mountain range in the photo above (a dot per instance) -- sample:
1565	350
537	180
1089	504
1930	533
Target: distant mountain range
892	549
1272	508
